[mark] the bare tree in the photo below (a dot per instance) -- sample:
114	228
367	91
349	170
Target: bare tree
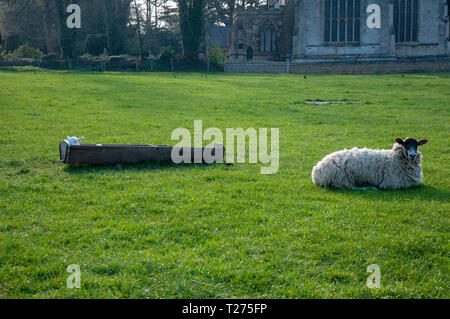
21	19
138	18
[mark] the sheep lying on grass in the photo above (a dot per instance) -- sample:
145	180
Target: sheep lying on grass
399	167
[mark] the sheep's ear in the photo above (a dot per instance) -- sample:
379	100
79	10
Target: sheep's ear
400	141
423	142
68	137
81	139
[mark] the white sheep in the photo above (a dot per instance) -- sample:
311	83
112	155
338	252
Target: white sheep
74	140
399	167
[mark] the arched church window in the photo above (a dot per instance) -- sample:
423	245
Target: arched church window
268	37
342	20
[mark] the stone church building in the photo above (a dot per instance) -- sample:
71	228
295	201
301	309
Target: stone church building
297	36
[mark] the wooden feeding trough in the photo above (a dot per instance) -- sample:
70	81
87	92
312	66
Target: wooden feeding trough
107	154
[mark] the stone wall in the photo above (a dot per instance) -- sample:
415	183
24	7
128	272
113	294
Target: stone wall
433	32
245	32
300	29
366	67
256	67
308	40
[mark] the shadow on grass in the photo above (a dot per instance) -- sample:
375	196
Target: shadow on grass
138	167
422	192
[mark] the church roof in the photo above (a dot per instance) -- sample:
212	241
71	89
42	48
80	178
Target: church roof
219	35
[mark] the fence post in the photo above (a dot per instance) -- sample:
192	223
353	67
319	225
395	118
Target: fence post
173	69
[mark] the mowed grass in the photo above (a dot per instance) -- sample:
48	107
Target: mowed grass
149	231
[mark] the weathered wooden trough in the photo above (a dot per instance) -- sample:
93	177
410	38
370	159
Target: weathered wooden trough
107	154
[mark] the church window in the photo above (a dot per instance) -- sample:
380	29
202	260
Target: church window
268	37
406	20
342	20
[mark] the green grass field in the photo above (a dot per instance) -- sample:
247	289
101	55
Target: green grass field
217	231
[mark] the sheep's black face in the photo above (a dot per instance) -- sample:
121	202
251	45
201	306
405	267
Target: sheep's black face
410	145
